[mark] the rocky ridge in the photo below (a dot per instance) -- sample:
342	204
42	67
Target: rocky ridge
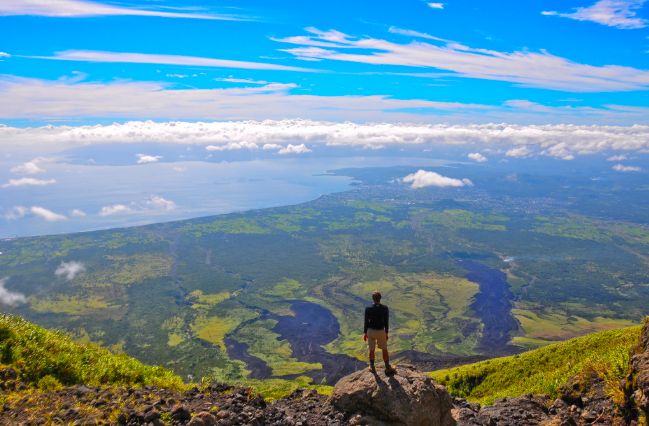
361	398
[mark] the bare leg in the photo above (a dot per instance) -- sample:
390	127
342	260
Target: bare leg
372	355
386	355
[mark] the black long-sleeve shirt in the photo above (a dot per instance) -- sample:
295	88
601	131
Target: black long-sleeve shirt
377	317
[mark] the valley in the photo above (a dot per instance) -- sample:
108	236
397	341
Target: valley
279	293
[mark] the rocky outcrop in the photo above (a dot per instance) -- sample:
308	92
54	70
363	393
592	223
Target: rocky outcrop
637	382
408	397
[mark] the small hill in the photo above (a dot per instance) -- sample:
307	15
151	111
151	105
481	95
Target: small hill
543	370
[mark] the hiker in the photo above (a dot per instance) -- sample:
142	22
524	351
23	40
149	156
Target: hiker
375	331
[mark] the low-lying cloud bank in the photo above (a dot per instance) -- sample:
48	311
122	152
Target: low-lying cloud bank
69	270
8	297
564	141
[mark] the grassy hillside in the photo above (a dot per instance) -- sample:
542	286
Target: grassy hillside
544	370
51	358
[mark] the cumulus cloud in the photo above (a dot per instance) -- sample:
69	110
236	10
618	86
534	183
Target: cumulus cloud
622	168
436	5
28	182
86	8
560	141
69	270
30	167
159	203
144	158
114	209
519	152
423	179
294	149
77	213
620	14
150	204
477	157
271	146
19	212
527	68
4	55
8	297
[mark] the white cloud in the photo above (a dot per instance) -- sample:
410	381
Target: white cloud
622	168
28	182
4	55
144	158
519	152
613	13
241	80
232	146
531	69
84	8
114	209
423	179
560	140
150	204
157	202
70	269
477	157
22	98
77	213
18	212
8	297
617	158
413	33
271	146
294	149
436	5
147	58
30	167
46	214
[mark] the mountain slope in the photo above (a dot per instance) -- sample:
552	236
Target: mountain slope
52	358
543	370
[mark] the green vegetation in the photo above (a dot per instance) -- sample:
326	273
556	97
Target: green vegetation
543	370
49	358
463	219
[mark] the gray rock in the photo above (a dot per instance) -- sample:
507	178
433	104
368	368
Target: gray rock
408	398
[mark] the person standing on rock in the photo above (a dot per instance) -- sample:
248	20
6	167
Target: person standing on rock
375	331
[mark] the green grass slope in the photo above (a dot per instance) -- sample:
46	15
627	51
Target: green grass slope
49	359
543	370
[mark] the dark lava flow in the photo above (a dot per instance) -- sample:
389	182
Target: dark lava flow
310	328
493	305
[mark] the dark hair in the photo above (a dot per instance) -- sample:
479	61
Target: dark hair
376	296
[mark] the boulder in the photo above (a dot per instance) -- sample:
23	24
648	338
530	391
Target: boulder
408	397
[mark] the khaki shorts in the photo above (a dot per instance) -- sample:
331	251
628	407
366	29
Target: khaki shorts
377	338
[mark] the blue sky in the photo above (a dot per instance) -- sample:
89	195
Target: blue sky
411	60
119	113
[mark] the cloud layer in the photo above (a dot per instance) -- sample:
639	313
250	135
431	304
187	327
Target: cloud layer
563	141
423	179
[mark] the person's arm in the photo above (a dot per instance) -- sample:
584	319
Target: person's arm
366	322
387	320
